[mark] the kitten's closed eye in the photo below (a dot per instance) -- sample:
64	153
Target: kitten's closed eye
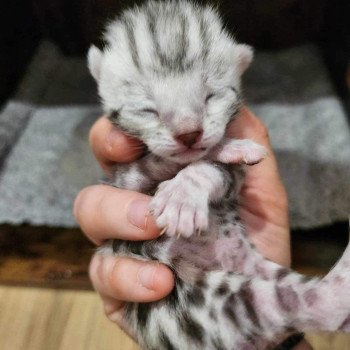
150	111
234	90
209	96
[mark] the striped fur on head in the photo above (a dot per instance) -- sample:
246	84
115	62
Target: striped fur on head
170	68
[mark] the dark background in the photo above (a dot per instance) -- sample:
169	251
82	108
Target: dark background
268	24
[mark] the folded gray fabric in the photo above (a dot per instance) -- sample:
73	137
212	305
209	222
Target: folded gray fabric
17	111
50	116
51	160
291	92
48	166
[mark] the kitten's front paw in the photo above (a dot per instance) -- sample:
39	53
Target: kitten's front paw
241	152
180	208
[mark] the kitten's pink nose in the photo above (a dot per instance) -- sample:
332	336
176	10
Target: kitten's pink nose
190	138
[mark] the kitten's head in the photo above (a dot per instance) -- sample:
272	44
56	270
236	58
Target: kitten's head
170	75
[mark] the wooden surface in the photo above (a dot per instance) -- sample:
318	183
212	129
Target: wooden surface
47	319
44	257
329	341
59	258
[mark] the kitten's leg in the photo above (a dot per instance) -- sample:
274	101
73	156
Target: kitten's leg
318	304
239	152
261	308
143	174
236	253
329	304
131	177
266	308
181	204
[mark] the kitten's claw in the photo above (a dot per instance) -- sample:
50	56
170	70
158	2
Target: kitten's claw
163	231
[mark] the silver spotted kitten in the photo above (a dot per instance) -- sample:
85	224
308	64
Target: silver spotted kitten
170	75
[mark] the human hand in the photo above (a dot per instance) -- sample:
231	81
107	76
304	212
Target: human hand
105	212
264	202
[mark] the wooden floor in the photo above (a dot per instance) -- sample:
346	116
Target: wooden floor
48	319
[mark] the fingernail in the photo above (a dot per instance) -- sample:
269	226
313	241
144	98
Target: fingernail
146	276
137	213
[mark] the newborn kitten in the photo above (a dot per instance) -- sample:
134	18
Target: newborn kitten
170	75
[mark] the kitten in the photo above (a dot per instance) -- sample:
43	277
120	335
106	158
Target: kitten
170	75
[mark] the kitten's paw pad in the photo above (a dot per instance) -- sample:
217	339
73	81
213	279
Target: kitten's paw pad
242	152
179	208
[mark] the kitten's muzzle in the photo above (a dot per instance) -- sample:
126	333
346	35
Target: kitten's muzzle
189	139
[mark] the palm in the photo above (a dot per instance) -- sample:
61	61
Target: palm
265	212
264	206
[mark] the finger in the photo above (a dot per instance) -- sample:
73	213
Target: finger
121	280
248	126
110	145
105	212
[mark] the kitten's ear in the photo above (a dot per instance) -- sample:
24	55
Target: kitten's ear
94	61
244	55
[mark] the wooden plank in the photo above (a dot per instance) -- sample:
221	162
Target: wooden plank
44	257
47	319
59	257
329	341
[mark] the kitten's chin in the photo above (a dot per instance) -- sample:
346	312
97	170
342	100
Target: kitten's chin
188	156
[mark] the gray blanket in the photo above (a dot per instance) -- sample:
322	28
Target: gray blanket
46	158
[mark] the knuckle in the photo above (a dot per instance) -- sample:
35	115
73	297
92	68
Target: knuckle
105	272
94	134
98	140
79	204
115	275
82	202
95	270
262	130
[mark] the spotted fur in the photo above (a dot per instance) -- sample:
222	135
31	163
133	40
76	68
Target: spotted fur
170	75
